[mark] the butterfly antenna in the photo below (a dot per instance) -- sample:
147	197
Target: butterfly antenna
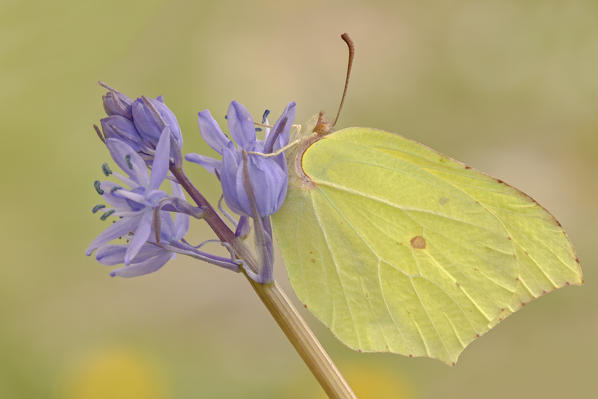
351	46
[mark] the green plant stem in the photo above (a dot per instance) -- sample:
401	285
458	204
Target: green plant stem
304	340
277	303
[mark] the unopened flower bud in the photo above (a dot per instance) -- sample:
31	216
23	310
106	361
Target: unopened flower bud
119	127
151	116
116	103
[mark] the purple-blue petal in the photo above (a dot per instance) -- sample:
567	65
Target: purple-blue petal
212	165
128	160
241	197
110	196
154	196
120	228
150	125
228	178
116	103
148	266
243	227
111	255
117	126
275	142
166	227
240	125
211	132
140	200
181	220
140	237
161	160
269	183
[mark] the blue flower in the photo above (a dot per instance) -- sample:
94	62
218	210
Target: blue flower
135	205
140	123
151	116
267	175
117	103
151	255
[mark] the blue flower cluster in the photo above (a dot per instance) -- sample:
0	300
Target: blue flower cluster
144	134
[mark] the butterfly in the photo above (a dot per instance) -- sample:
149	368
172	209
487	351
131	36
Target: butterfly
398	248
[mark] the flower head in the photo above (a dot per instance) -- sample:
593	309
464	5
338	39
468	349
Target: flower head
150	256
135	205
140	123
267	175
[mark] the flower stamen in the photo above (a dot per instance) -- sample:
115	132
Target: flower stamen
96	208
106	169
98	187
106	215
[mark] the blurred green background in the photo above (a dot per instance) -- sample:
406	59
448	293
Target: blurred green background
509	87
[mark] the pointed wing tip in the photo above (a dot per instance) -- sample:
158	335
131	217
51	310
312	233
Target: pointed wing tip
580	282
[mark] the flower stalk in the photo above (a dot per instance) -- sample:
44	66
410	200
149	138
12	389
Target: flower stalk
278	304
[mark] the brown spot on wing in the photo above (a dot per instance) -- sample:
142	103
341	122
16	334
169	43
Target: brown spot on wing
418	242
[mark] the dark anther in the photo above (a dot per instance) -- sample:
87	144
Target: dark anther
106	169
265	116
97	186
107	214
128	159
97	208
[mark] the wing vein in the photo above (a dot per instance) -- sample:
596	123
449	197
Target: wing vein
378	267
336	268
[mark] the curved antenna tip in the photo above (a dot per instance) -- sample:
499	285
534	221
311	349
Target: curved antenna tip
351	47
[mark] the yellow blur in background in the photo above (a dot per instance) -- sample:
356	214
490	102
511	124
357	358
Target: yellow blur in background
509	87
116	374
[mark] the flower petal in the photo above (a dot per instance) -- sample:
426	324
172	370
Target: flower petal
241	195
130	195
211	164
278	136
148	266
151	116
161	160
118	229
111	255
228	178
181	220
240	126
211	132
146	121
117	126
109	196
243	227
128	160
166	227
142	233
123	179
269	182
117	103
